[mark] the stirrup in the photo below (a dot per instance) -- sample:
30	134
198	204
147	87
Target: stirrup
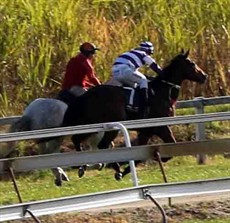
131	108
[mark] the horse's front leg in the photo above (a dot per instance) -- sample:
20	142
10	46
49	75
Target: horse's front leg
60	175
166	134
142	139
77	139
105	143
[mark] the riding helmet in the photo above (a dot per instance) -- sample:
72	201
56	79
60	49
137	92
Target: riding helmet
88	48
147	47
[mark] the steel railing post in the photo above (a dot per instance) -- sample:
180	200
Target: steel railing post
200	129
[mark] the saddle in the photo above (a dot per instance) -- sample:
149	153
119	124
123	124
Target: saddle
66	96
132	95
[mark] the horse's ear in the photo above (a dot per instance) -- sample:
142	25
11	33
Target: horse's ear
186	54
182	51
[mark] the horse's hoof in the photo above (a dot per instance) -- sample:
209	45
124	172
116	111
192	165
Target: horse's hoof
118	176
64	177
63	174
101	166
58	182
81	172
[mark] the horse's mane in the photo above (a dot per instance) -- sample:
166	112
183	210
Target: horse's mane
172	63
156	83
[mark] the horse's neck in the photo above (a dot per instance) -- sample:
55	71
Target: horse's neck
166	80
172	77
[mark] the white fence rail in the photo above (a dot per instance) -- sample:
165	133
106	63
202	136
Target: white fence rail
211	147
201	102
133	124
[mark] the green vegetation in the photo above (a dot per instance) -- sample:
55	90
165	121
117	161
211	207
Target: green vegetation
38	38
218	129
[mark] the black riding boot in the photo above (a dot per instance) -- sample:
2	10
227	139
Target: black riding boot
143	103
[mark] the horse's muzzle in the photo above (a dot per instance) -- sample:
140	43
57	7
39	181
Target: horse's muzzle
203	78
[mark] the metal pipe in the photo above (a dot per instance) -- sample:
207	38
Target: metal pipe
125	132
158	156
147	195
32	215
15	184
19	196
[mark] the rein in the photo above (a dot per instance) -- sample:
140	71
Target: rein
171	84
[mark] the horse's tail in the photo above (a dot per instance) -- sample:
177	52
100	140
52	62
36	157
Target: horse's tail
22	124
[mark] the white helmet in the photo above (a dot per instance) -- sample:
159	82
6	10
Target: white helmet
147	47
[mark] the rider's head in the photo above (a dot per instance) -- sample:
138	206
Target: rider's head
88	49
147	47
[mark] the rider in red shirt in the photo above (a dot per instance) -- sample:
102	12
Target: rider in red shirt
80	72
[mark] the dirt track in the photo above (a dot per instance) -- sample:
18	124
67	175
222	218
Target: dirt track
196	207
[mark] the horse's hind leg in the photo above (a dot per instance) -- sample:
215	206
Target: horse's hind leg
52	147
92	143
104	144
22	124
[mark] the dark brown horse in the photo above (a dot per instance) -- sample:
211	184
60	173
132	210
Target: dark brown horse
107	104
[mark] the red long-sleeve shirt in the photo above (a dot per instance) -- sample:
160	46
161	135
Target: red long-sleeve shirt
80	72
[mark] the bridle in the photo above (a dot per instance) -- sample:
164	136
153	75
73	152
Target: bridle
172	86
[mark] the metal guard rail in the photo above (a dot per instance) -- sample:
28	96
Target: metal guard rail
132	124
146	152
96	200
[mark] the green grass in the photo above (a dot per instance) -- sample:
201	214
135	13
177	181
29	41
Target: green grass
40	185
219	220
207	109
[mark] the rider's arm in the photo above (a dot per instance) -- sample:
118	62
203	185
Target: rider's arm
94	80
153	65
70	75
91	75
